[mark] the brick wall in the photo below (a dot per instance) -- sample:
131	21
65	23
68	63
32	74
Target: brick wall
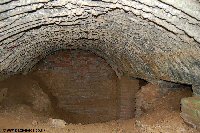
84	88
128	87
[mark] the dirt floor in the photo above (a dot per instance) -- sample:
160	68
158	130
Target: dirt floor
160	114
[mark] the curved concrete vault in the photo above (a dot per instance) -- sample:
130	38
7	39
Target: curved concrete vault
148	39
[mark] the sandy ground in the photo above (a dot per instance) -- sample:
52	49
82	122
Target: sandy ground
163	116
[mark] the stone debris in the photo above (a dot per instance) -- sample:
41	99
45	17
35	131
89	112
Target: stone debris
41	101
146	97
34	123
57	123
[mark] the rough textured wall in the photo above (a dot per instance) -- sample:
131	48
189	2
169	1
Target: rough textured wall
82	84
149	39
84	88
128	87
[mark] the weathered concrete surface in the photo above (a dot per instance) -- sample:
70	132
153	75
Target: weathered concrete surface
190	108
146	39
196	90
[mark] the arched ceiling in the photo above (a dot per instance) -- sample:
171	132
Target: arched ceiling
152	40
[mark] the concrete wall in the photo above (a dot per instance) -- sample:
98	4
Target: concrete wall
147	39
